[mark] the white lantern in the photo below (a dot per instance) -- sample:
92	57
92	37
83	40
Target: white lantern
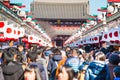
16	7
92	22
29	19
22	14
87	25
36	27
33	23
110	9
100	16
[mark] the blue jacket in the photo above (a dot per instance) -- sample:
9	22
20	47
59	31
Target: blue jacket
96	71
52	65
117	78
73	62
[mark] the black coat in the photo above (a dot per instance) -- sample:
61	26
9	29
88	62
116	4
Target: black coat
12	71
1	74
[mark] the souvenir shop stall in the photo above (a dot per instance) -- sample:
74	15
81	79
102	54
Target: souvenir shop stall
101	28
19	27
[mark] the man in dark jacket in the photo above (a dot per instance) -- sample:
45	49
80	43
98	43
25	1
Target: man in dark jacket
1	74
53	63
12	70
32	56
23	57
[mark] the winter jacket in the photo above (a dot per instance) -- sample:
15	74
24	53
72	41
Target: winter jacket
12	71
52	65
44	63
41	69
1	74
96	71
117	78
73	62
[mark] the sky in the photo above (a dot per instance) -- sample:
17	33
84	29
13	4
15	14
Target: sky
94	5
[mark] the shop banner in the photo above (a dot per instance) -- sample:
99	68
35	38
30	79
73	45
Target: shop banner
113	0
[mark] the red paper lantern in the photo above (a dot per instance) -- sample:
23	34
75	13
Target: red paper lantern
116	33
18	32
95	38
2	24
105	36
110	35
116	41
9	30
39	40
111	41
15	32
31	38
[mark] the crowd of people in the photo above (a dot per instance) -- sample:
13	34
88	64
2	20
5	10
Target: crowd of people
66	63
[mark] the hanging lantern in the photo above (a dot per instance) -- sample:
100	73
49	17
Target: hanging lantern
9	30
110	35
116	33
16	36
100	16
105	36
33	23
29	19
21	32
92	22
31	39
110	9
36	27
116	41
2	24
2	38
22	14
18	32
39	40
25	40
95	38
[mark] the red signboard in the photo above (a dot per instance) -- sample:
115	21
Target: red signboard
113	0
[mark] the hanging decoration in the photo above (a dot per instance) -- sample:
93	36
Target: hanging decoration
2	38
3	24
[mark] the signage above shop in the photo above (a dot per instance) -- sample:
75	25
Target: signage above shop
113	0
